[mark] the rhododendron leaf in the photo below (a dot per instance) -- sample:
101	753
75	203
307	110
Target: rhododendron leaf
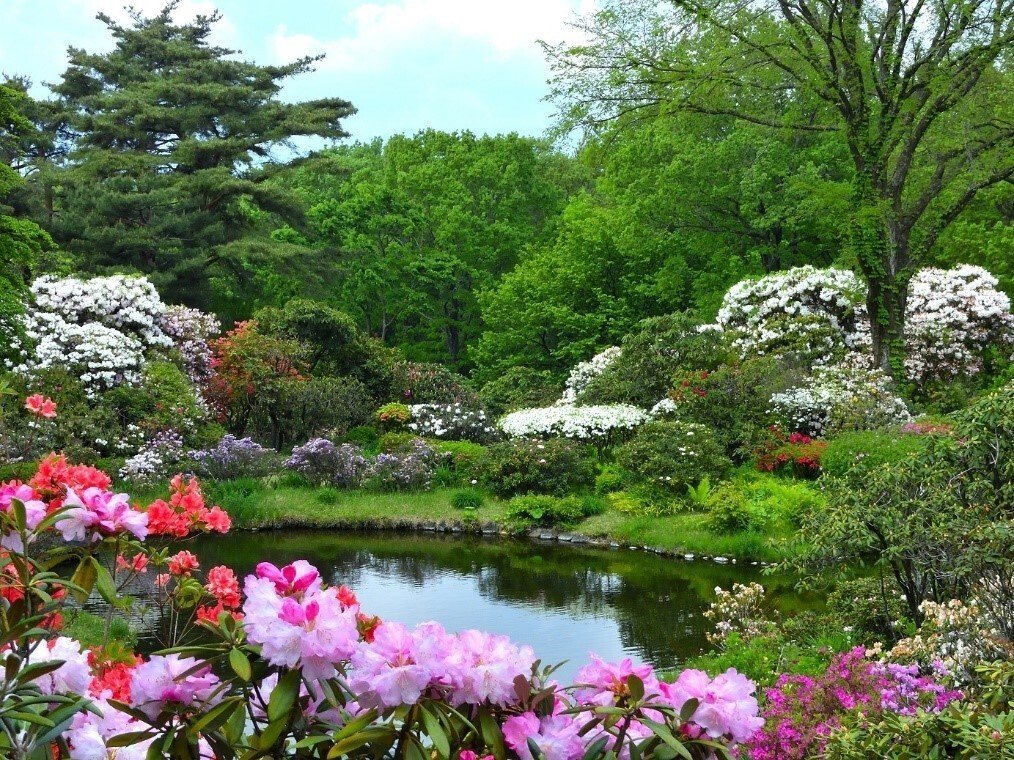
105	585
133	712
37	670
216	717
663	733
240	664
28	717
436	732
636	687
534	749
20	516
354	726
688	709
130	738
595	748
357	740
284	695
492	736
84	577
523	688
589	726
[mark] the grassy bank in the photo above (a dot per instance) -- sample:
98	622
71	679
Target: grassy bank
252	505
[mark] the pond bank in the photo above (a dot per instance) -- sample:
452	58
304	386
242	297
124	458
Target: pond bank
681	535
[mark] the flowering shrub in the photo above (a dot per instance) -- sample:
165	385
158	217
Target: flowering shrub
99	328
584	423
156	460
408	466
672	456
801	712
452	421
393	416
555	466
287	661
322	462
819	314
233	457
839	398
739	610
583	373
190	331
427	383
798	454
953	318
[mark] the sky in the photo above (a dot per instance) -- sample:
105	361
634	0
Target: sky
405	64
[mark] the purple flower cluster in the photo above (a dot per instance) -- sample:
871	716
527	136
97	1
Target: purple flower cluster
801	712
323	462
233	457
190	330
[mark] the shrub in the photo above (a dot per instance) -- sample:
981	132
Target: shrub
584	372
234	457
871	607
390	443
328	495
519	388
732	512
426	383
313	407
393	416
363	436
652	355
839	398
753	502
795	454
555	466
597	424
869	449
609	480
157	460
322	462
411	468
673	455
468	499
453	422
547	511
464	457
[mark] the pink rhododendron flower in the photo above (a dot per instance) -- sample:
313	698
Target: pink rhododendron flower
726	705
73	677
607	681
89	733
298	578
41	406
483	667
168	681
224	586
389	671
312	630
183	563
96	514
556	736
35	511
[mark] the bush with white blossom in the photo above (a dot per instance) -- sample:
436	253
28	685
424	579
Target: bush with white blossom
840	398
954	317
99	328
452	422
819	314
584	372
584	423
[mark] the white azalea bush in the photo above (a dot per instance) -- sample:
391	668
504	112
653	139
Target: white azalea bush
452	422
839	398
584	372
817	313
954	317
583	423
99	329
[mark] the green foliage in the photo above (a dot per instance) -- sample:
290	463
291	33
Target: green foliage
671	456
466	458
393	416
869	450
165	169
469	499
610	479
547	511
393	443
871	607
329	495
519	388
165	400
303	409
556	466
90	629
364	436
334	345
653	354
753	502
428	383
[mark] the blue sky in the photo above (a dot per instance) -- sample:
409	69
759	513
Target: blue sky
405	64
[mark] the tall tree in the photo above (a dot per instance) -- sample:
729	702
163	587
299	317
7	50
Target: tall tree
920	93
417	226
172	139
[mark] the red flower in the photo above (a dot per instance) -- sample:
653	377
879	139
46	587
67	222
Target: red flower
40	405
183	563
224	586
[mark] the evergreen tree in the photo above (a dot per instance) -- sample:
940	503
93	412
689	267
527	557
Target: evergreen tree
172	140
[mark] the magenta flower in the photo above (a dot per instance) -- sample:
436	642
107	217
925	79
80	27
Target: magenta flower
298	578
726	704
35	512
96	514
172	681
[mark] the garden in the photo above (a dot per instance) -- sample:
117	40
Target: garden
384	508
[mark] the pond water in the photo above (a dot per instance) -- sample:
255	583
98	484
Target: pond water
565	601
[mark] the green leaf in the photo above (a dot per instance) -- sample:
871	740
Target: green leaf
436	732
284	695
84	578
240	664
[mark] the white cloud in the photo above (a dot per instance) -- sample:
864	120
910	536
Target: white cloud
380	34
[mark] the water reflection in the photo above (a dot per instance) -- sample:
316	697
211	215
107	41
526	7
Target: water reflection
563	601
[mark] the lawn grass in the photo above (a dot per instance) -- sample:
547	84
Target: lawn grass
253	505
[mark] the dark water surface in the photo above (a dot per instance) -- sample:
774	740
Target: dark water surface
565	601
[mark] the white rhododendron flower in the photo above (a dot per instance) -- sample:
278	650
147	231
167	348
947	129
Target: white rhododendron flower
584	372
579	422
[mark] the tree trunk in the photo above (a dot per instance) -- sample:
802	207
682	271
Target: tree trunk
886	301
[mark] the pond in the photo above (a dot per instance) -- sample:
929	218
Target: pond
565	601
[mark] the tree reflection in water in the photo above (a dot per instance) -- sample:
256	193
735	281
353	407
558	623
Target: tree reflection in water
563	600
